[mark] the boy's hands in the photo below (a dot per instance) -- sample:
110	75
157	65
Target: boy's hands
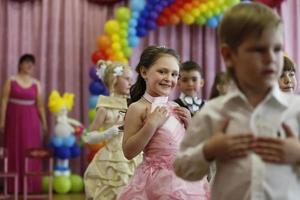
279	150
183	114
222	146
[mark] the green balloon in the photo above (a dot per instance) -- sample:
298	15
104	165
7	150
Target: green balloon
92	114
61	184
76	183
45	184
122	14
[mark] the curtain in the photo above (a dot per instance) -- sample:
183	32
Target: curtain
62	35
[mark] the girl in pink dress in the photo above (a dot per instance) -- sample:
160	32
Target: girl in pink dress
156	126
21	113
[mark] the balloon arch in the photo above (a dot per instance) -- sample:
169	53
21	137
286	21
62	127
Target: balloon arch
134	22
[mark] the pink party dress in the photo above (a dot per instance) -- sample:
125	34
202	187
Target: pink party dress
22	131
155	179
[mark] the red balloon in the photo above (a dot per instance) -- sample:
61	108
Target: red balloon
98	55
161	21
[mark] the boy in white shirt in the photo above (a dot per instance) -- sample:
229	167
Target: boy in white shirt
252	132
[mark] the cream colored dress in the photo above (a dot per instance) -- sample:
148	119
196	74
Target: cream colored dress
109	170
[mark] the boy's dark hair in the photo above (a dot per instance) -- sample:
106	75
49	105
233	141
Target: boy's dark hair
288	64
191	65
149	56
245	19
220	78
26	58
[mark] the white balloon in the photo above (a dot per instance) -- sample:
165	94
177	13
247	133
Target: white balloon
62	130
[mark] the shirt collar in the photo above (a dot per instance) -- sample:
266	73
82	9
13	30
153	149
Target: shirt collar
275	93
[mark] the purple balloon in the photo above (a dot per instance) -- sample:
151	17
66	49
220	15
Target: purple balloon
151	25
153	15
93	74
158	8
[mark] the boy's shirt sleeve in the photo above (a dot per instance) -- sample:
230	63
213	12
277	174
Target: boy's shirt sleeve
190	163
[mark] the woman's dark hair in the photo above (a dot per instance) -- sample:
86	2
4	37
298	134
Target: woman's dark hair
26	58
149	56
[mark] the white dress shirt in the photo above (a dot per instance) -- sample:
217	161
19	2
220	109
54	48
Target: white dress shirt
248	178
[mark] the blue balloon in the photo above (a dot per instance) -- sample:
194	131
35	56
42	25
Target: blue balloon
75	151
56	141
144	14
62	152
141	32
133	41
93	74
60	168
131	32
135	15
137	5
132	22
212	22
96	87
93	101
141	23
69	141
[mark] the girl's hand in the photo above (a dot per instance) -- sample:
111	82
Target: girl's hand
222	146
183	114
279	150
158	117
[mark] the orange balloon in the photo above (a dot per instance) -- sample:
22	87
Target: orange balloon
174	19
103	42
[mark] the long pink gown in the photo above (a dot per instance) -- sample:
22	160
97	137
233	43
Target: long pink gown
22	131
155	179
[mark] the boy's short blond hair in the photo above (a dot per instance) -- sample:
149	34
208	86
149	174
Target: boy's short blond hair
245	19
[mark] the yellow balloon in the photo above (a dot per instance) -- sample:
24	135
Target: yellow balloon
195	12
188	19
116	46
111	27
115	37
203	8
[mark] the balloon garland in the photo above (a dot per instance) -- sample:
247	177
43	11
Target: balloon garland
134	22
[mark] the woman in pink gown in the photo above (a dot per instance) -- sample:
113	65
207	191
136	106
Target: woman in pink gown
21	113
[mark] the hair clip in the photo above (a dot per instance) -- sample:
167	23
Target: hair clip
162	46
100	68
118	71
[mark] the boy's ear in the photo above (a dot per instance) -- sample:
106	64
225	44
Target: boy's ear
226	53
201	82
